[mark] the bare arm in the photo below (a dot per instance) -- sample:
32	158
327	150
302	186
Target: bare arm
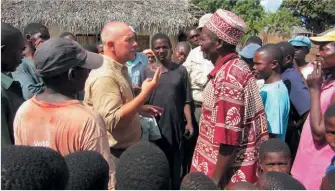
187	113
314	81
302	120
226	153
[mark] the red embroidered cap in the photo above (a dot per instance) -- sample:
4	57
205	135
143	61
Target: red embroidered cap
227	26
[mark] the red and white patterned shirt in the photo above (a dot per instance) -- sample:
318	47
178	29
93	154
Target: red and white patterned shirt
232	114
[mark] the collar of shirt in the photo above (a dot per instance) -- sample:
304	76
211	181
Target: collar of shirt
114	65
139	59
328	84
221	62
6	81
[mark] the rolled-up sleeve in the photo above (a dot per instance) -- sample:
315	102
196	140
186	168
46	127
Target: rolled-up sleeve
107	101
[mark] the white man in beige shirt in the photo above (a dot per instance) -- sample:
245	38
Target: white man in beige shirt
108	90
198	69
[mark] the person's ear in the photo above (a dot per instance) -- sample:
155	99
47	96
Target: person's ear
71	74
27	37
110	45
218	43
289	59
275	64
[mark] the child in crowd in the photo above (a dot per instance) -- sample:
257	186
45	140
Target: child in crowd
278	181
330	132
247	54
275	155
88	170
143	167
241	186
268	62
32	168
197	181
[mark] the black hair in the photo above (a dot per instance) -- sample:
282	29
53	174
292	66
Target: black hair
143	167
189	30
91	48
331	179
9	34
254	40
64	34
274	52
197	181
274	145
330	112
160	36
32	168
242	186
185	44
279	181
88	170
33	28
286	48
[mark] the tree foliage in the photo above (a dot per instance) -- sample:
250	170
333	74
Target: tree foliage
211	5
280	22
315	15
254	15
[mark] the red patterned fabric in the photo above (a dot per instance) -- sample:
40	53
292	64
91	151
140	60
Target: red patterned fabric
232	114
227	26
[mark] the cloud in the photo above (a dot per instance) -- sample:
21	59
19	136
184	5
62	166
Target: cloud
271	5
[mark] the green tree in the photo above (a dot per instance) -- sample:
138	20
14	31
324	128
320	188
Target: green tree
315	15
211	5
252	13
280	22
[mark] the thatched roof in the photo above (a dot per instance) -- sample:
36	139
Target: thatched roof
88	16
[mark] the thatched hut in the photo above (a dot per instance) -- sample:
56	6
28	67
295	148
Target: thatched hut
85	18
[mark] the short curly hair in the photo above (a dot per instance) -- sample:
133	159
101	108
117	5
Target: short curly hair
197	181
32	168
274	145
143	167
278	181
88	170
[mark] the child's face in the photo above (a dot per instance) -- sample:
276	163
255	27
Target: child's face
330	132
263	65
276	161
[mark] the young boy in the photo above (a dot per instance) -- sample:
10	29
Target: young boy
330	132
268	61
278	181
275	155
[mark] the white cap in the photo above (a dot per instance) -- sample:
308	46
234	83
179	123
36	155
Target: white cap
204	20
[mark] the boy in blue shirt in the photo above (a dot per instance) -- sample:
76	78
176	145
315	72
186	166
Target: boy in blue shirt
268	62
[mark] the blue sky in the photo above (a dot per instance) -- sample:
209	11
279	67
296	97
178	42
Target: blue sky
271	5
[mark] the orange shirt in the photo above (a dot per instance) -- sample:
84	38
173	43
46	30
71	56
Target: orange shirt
66	127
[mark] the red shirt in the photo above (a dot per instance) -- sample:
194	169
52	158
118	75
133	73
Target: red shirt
232	114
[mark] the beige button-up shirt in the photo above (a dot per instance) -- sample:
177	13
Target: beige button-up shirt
198	69
106	90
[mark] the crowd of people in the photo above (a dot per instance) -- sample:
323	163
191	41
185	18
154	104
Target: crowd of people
197	116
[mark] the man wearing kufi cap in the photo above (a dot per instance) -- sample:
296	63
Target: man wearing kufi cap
232	122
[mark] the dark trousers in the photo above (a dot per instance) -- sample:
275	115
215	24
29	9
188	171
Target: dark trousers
174	157
189	144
